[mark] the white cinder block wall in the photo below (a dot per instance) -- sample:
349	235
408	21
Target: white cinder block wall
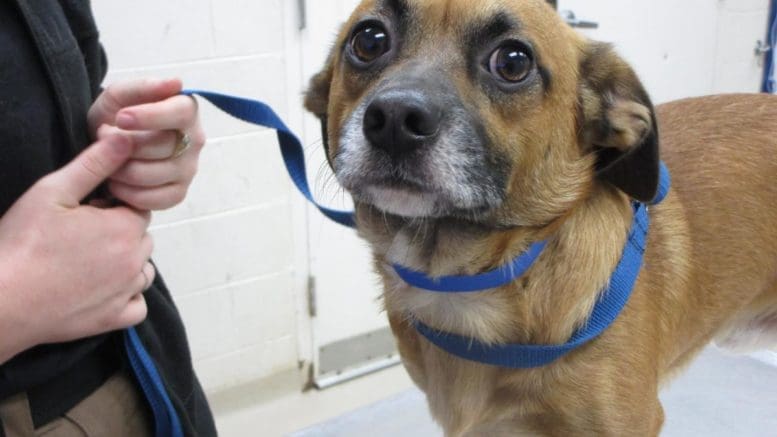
235	253
230	253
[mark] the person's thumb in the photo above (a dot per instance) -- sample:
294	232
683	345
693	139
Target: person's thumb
88	170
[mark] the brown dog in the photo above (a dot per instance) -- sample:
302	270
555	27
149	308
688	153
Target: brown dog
466	130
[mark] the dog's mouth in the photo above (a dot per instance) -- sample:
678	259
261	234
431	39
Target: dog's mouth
412	198
411	201
402	201
391	186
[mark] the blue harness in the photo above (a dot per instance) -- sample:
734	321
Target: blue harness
606	310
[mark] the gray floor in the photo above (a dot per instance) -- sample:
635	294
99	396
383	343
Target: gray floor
719	396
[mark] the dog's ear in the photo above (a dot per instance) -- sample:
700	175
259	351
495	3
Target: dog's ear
317	94
317	99
619	123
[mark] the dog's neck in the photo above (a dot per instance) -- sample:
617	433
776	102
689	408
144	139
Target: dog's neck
544	306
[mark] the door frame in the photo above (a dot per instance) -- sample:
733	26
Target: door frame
365	356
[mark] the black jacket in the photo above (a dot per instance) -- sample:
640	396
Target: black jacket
51	67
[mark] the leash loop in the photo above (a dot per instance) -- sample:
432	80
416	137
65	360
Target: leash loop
259	113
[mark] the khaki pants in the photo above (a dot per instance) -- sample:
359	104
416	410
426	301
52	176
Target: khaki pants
116	409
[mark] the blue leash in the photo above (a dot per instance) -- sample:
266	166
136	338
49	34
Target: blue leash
770	66
259	113
166	421
606	310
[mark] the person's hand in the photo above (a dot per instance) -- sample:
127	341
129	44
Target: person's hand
69	271
154	117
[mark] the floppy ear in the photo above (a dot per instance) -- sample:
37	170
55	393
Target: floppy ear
317	94
619	123
317	99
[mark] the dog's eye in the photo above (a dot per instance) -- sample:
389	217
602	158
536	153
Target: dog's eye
511	63
370	42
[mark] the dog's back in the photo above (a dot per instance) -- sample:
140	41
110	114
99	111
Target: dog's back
722	151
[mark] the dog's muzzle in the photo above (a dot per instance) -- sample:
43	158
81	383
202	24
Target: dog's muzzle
412	149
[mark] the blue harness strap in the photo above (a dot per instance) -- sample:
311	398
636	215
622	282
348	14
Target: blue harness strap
166	421
475	283
605	311
603	315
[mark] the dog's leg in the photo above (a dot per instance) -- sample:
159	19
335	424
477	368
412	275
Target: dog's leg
658	423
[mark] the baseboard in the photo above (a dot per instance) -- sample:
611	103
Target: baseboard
261	391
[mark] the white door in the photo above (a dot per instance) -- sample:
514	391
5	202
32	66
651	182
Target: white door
682	48
679	49
349	329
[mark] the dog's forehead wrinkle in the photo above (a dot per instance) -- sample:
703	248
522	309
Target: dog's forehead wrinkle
484	30
397	11
399	7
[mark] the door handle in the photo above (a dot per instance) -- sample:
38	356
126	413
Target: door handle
572	20
762	48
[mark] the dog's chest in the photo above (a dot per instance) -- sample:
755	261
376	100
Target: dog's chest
484	315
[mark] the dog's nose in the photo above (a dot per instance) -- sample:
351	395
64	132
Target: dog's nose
400	122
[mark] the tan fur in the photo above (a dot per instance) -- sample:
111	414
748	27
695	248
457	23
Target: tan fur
710	266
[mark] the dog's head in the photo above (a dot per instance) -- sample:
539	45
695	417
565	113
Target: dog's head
493	112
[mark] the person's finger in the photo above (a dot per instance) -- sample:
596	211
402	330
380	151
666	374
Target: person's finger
89	169
154	199
178	112
141	281
147	145
133	313
147	174
154	145
147	247
148	273
125	217
135	92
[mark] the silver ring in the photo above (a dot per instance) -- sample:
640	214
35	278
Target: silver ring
182	144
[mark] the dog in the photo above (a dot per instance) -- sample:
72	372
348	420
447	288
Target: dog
465	131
